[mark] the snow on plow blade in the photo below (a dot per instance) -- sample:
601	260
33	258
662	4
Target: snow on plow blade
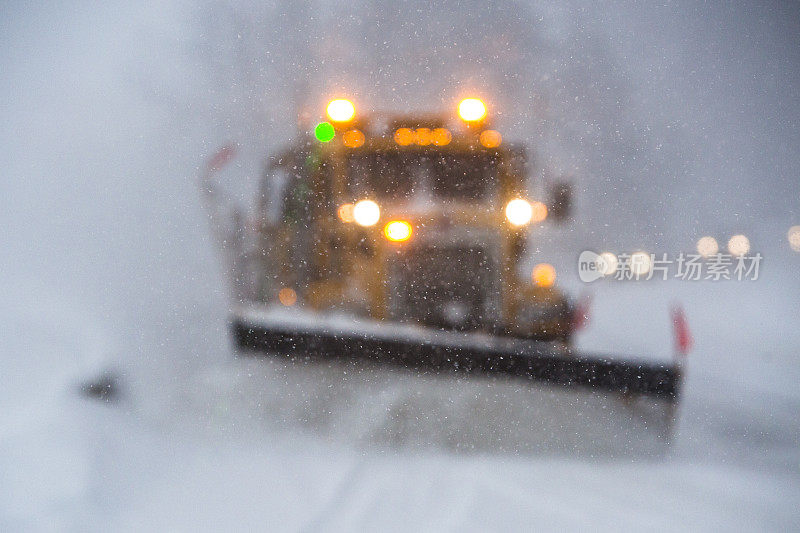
276	330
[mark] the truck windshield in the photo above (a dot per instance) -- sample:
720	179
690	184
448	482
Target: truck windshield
400	176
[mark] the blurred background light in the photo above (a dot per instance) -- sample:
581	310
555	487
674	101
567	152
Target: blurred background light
794	238
739	245
640	263
608	263
707	246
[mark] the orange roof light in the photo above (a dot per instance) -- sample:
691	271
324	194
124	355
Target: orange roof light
405	136
424	137
471	110
441	137
353	138
490	138
398	231
341	110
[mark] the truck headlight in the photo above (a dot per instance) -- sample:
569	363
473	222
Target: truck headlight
519	212
366	213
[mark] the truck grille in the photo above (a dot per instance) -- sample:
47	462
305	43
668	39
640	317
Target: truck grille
445	287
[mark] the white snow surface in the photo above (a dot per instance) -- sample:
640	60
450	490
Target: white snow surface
245	443
107	265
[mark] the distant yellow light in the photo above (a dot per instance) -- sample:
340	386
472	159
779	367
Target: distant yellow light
404	136
471	110
441	137
345	213
640	263
607	263
398	231
341	110
794	238
739	245
287	296
519	212
544	275
366	213
707	246
538	212
353	138
490	138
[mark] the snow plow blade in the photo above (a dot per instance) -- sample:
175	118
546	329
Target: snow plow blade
279	331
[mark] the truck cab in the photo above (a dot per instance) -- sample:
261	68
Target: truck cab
419	219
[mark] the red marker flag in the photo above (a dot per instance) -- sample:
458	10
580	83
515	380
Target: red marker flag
221	157
580	315
683	337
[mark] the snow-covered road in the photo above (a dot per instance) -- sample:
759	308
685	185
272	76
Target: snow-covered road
220	442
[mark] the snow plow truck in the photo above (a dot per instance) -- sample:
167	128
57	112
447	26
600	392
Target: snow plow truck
401	239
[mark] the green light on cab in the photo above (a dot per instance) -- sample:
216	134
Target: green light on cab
324	132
